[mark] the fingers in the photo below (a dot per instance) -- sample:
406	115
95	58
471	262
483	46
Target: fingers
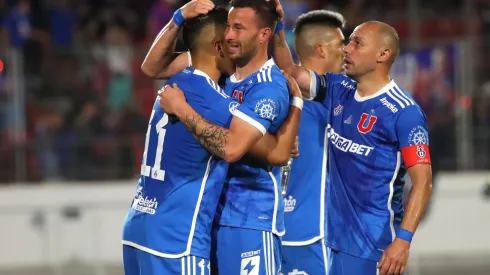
381	265
392	267
397	270
204	6
295	149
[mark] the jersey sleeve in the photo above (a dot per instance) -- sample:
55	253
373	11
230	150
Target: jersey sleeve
413	138
323	88
318	86
263	105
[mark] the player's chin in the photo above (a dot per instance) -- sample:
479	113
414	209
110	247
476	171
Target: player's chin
348	71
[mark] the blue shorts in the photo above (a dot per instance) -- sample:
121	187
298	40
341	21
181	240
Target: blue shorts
340	263
305	260
245	252
138	262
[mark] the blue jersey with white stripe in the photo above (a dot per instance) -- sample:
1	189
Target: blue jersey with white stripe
178	192
252	197
373	141
304	203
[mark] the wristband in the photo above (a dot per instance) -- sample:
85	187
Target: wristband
404	235
297	102
178	18
279	27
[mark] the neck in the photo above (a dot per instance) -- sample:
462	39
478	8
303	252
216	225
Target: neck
207	65
371	83
252	66
315	65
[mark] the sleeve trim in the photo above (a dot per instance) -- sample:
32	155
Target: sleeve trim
250	121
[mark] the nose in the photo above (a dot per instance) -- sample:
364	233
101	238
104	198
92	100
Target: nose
229	34
347	49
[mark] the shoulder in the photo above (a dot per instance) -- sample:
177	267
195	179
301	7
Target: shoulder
269	76
340	79
196	82
399	101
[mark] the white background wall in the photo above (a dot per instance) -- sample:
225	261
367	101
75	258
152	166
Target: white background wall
34	230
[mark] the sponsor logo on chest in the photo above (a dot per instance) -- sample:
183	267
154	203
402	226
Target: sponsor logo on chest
347	145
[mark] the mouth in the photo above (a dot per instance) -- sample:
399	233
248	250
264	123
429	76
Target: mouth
233	47
347	62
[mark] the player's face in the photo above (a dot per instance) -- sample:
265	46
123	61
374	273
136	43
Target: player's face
225	64
335	54
360	54
242	35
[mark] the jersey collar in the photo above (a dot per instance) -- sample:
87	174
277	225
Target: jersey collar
383	90
267	64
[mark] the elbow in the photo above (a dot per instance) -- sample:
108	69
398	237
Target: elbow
148	71
233	155
278	159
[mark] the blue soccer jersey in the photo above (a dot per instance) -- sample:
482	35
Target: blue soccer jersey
373	141
252	197
304	203
177	194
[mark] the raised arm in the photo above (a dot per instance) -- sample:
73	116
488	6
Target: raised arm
283	58
161	61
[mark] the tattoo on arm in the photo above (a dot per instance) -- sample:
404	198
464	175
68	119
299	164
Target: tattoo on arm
211	137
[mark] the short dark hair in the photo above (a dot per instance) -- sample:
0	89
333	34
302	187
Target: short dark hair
320	18
266	10
193	27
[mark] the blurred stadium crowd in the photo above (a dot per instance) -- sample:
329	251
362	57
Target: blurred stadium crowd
86	101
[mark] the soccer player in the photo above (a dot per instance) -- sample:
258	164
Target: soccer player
251	213
167	229
319	42
377	134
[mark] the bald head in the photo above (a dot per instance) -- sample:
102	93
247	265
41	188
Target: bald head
386	36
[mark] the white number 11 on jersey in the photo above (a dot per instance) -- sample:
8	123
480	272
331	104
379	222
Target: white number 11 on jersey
155	172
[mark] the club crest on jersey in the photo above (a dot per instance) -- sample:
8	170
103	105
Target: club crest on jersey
421	151
338	110
233	106
366	123
238	96
266	108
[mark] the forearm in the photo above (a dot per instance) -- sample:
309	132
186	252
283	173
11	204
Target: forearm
162	50
284	60
213	138
417	203
219	141
282	53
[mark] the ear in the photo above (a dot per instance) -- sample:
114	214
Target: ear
265	35
219	48
384	55
320	51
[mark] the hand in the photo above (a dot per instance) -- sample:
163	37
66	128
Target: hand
279	9
294	90
171	99
295	150
395	258
197	7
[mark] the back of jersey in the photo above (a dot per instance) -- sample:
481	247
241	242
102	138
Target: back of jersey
252	197
178	191
304	201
